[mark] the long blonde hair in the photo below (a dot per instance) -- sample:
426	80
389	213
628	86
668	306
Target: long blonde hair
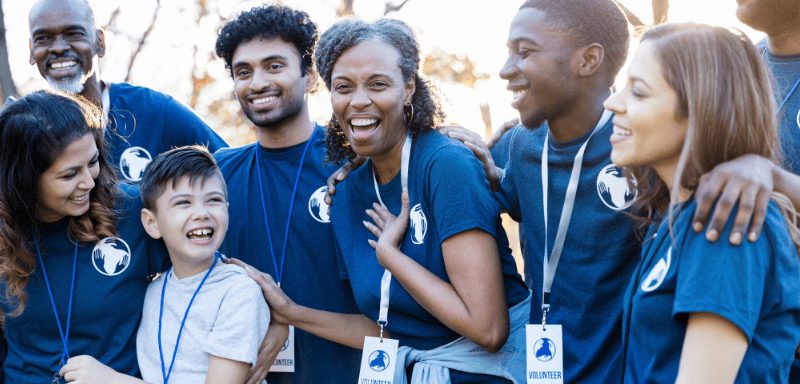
725	93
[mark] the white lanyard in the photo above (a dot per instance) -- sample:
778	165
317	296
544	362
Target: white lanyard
386	280
550	265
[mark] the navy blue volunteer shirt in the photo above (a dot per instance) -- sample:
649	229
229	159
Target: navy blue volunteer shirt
110	282
142	123
310	271
754	285
449	194
599	254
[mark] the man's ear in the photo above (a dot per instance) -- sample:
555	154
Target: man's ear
311	79
150	224
31	60
591	59
101	42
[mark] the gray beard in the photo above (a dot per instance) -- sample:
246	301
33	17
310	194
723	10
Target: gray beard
72	84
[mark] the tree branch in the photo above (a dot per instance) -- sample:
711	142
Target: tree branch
142	40
393	8
632	18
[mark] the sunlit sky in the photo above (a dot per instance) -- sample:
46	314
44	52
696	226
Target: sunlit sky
476	28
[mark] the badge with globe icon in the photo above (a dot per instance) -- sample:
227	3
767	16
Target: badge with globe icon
544	349
378	360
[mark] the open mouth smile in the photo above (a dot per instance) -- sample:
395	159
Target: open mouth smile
200	236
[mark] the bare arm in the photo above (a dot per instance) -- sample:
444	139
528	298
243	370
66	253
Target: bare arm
339	176
346	329
226	371
86	369
713	349
748	180
473	304
274	340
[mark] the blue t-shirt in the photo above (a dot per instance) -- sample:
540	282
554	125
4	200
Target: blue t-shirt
599	254
786	71
142	123
110	284
449	194
310	270
754	285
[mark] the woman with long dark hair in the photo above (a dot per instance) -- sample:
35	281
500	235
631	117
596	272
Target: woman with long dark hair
74	258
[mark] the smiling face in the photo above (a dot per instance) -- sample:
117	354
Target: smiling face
63	44
192	219
64	187
268	82
367	95
538	67
647	127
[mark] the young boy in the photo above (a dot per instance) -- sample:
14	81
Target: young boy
203	320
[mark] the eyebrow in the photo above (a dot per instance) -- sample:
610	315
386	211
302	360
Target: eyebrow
68	28
369	78
639	79
520	39
264	60
76	167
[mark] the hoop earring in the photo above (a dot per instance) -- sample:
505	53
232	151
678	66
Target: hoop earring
406	114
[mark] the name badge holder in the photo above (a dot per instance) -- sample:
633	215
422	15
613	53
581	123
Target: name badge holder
284	361
544	347
379	356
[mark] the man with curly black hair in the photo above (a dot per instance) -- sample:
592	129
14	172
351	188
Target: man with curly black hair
279	220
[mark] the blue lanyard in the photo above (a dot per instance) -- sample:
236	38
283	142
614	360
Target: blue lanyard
763	56
180	330
279	272
64	336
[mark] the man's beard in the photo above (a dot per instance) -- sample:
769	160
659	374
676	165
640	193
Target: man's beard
73	84
292	109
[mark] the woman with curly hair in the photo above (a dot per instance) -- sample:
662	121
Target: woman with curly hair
74	257
695	311
455	301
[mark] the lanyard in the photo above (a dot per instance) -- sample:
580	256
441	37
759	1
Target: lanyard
763	56
279	272
165	373
64	335
550	265
386	280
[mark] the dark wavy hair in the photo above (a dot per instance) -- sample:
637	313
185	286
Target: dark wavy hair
349	33
589	22
34	131
170	167
269	22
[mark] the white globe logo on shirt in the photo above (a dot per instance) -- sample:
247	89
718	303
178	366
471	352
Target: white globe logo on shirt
658	273
317	206
378	360
419	224
111	256
544	349
613	188
133	161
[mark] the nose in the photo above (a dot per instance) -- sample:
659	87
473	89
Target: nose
87	180
260	81
360	99
59	45
509	69
615	103
200	212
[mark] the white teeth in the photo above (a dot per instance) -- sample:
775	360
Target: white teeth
622	131
65	64
363	122
518	94
79	198
200	232
264	99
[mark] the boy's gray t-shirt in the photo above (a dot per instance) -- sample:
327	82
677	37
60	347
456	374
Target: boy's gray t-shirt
228	319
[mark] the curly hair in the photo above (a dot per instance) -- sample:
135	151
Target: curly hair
588	22
268	22
34	131
397	34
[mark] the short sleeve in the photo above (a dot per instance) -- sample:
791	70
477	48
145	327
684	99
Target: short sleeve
721	278
186	124
460	198
241	323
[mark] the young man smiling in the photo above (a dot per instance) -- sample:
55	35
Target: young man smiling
141	123
279	220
